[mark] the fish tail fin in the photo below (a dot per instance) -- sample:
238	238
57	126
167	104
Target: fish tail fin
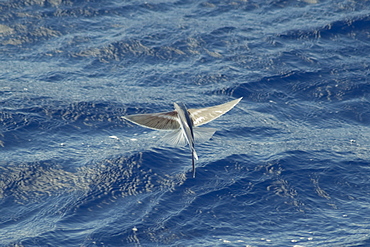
193	163
202	135
195	155
175	138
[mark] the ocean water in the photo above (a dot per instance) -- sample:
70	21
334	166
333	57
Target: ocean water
288	166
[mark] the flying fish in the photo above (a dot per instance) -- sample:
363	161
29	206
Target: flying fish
184	124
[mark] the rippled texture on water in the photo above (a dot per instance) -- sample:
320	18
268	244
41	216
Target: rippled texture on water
288	166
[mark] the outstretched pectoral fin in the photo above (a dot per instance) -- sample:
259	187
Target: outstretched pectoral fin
157	121
205	115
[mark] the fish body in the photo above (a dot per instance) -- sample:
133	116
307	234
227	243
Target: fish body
184	124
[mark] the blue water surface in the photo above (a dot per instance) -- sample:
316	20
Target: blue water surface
288	166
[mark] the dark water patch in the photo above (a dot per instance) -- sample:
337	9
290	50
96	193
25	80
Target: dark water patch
158	46
282	4
48	115
89	113
356	110
25	125
26	24
217	8
56	76
208	199
30	182
145	108
363	243
289	165
318	178
257	133
95	189
294	186
29	35
134	51
37	218
280	90
318	97
349	27
201	79
127	184
154	228
119	177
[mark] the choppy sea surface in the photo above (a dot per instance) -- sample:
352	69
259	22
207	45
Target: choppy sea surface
288	166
